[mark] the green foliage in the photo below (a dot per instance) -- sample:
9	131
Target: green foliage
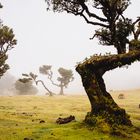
118	37
123	28
3	67
7	37
7	42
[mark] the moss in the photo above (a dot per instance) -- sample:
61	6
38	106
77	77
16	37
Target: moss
91	119
105	113
134	44
100	123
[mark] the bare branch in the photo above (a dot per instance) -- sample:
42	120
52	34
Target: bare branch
135	22
93	23
84	6
40	81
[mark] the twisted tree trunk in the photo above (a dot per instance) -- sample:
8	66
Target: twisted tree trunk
102	104
49	92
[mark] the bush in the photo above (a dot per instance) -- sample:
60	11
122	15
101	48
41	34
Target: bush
26	88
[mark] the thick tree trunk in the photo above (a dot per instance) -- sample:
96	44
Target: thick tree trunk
102	104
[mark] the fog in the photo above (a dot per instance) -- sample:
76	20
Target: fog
7	84
60	40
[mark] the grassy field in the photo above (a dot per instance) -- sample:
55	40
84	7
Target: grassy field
20	117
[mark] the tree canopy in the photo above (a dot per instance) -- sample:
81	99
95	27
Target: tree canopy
7	42
114	27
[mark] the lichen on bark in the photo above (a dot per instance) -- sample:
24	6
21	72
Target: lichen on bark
102	104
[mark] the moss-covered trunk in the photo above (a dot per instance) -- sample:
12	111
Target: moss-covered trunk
102	104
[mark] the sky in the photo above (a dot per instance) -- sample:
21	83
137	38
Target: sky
60	40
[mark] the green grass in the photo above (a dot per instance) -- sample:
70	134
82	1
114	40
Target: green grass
20	117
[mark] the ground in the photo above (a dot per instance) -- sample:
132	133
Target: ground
33	117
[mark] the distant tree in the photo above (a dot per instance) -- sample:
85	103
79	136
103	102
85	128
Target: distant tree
25	87
33	77
115	30
64	80
7	42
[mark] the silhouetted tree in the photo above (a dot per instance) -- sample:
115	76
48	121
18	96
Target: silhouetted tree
114	30
7	42
33	77
25	87
64	80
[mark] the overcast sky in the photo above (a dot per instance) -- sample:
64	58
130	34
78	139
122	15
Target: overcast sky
59	40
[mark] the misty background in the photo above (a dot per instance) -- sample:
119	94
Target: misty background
60	40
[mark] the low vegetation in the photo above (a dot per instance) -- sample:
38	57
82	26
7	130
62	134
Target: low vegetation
34	117
25	88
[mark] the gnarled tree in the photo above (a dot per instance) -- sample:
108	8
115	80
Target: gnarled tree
7	42
64	80
114	30
33	77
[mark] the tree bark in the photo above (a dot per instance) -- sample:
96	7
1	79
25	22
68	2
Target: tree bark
102	104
